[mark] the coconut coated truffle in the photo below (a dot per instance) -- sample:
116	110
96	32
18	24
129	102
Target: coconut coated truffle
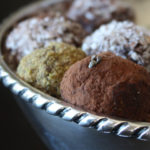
37	32
125	39
45	68
109	85
93	13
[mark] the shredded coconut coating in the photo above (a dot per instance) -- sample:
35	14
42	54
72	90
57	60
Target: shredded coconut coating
45	68
125	39
93	13
38	32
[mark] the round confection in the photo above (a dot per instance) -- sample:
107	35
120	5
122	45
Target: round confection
93	13
125	39
109	85
37	32
61	7
45	68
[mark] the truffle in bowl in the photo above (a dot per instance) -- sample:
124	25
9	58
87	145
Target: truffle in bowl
124	39
60	124
45	68
93	13
108	85
37	32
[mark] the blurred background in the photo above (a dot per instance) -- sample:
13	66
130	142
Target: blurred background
16	131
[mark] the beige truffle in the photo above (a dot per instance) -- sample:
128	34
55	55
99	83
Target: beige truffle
45	68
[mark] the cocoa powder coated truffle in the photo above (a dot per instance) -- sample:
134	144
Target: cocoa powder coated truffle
38	32
125	39
93	13
45	68
114	87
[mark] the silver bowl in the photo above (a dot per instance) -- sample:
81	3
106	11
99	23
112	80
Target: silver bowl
60	126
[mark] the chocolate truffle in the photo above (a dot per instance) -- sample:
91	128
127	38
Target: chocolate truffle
125	39
109	85
93	13
45	68
37	32
61	7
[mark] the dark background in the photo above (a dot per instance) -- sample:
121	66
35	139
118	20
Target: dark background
16	132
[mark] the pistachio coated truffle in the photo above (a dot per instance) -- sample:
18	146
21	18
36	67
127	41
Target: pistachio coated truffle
109	85
125	39
45	68
37	32
93	13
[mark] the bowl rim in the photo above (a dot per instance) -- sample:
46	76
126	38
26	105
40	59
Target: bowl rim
54	106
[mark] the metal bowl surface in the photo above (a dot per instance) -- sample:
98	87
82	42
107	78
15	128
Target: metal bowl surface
58	123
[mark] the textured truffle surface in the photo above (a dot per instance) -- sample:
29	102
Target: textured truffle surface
45	68
125	39
61	7
114	87
93	13
38	32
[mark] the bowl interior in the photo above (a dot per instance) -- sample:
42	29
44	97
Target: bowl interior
6	72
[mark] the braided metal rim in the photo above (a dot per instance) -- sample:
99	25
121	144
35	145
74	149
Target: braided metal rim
56	107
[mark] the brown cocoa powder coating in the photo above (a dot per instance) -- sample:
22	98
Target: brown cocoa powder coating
114	87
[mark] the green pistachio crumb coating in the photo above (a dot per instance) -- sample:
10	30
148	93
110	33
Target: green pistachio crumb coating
44	68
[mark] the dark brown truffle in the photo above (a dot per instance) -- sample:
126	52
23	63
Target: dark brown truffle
37	32
93	13
114	87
